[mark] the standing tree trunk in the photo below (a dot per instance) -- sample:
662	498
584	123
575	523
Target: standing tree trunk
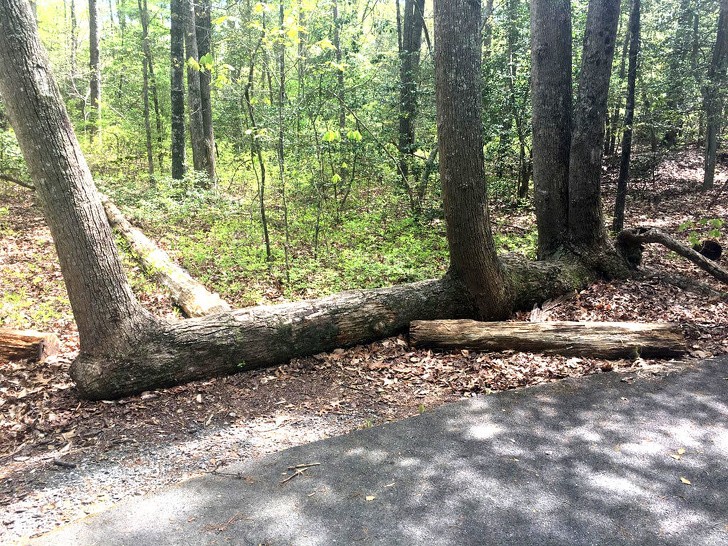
204	39
552	99
634	49
177	38
194	101
409	55
95	66
473	258
143	16
712	94
586	227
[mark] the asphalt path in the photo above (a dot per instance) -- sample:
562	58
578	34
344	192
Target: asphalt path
634	459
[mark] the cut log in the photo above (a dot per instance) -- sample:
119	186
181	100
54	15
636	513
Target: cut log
591	339
27	344
189	294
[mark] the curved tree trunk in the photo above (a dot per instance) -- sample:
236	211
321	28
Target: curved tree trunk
462	173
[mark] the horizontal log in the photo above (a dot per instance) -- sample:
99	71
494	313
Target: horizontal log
244	339
189	294
27	344
591	339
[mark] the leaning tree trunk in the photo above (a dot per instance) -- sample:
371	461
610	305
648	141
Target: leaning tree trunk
713	95
551	96
586	227
124	350
634	49
473	257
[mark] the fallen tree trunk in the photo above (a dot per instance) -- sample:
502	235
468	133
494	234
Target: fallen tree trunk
173	353
27	344
632	238
190	295
591	339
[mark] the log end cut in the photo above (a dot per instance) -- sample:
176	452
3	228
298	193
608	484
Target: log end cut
27	344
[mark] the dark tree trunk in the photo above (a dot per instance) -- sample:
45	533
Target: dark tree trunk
151	78
95	66
177	38
713	95
409	55
586	227
204	38
144	18
194	101
552	98
634	50
487	28
473	258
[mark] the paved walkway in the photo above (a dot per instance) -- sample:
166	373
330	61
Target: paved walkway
608	459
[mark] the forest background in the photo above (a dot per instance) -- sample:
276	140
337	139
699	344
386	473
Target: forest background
324	171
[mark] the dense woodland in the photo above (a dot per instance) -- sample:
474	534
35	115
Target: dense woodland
295	149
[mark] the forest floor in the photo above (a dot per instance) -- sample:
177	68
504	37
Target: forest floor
62	458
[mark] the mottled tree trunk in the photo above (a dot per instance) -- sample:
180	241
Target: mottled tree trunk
634	49
144	18
204	39
95	67
473	258
552	103
586	227
177	34
713	95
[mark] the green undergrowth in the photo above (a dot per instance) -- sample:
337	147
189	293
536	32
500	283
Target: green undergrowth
218	238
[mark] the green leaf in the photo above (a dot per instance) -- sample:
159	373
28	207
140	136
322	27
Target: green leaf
206	61
335	179
220	20
331	136
193	64
354	136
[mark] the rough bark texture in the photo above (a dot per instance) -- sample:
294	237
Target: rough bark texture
458	74
590	339
26	344
177	33
204	38
634	49
106	311
650	235
586	227
409	55
95	66
713	95
191	296
551	96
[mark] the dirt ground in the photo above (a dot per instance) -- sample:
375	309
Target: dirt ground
62	458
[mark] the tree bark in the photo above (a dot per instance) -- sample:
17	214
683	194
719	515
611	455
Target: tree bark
473	257
712	94
26	344
95	66
190	295
552	102
588	339
177	89
204	38
586	227
634	49
144	18
194	100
